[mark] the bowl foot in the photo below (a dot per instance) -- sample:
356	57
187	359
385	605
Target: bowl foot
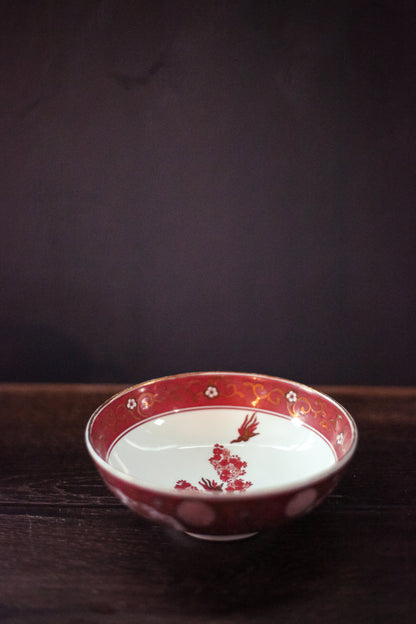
221	538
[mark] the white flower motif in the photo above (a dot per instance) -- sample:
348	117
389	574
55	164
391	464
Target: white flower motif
340	438
146	510
131	404
292	397
211	392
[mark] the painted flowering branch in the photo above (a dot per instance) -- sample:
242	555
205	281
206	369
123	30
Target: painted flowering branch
229	468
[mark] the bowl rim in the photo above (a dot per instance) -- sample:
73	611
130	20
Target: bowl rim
261	492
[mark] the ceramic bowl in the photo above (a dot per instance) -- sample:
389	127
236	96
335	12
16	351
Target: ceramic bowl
221	455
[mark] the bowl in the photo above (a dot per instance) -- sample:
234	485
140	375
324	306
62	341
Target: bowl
221	455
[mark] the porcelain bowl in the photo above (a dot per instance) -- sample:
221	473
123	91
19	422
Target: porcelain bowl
221	455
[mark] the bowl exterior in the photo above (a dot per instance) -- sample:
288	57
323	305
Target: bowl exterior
227	515
220	514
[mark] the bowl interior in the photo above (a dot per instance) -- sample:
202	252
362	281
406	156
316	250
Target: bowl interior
221	433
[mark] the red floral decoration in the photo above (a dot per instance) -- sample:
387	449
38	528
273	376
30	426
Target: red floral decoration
229	468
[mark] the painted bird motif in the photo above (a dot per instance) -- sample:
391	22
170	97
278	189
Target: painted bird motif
247	429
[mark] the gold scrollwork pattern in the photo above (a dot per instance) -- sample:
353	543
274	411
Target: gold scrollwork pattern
212	388
231	391
260	393
303	408
196	389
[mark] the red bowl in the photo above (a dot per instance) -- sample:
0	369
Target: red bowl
221	455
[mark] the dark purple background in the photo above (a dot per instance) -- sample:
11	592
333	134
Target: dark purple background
208	185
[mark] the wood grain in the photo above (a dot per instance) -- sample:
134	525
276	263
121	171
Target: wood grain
69	552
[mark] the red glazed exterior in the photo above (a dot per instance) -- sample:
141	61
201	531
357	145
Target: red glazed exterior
219	514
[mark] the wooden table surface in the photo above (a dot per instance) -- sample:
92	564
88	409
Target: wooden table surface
69	552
